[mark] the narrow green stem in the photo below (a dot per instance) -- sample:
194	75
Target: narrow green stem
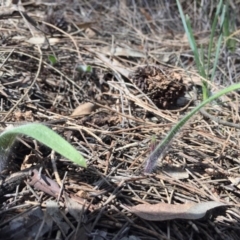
162	147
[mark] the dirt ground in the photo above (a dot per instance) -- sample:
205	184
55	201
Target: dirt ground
109	76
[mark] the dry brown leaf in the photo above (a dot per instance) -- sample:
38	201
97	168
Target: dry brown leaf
43	183
164	211
83	109
90	33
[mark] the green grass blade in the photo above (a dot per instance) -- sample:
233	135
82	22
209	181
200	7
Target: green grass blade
205	91
228	28
218	44
161	148
190	36
213	30
189	32
193	45
46	136
194	48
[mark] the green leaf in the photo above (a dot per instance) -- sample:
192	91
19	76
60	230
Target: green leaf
44	135
153	143
193	45
228	28
219	43
52	59
213	31
162	147
84	68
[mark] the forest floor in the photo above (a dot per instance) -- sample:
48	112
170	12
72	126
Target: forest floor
110	77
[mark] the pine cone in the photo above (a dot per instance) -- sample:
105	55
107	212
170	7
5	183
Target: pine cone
163	87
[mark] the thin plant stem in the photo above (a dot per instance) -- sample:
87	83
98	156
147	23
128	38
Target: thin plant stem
162	147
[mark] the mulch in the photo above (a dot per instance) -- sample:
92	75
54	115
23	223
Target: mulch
142	80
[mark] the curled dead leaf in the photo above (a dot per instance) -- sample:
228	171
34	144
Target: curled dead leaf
83	109
43	183
164	211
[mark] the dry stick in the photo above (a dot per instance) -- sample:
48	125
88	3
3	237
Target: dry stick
55	168
77	127
218	120
123	115
38	71
41	226
50	66
109	156
34	24
204	187
162	147
8	56
62	185
30	87
68	35
9	184
130	96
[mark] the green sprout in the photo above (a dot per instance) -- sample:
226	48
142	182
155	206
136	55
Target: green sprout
52	60
153	143
221	15
42	134
161	148
84	68
204	70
